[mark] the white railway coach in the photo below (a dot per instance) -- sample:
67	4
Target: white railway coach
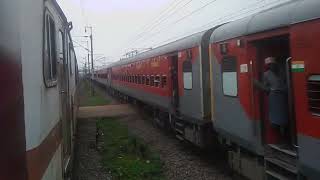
38	91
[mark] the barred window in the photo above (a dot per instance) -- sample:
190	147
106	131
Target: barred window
143	79
152	80
164	81
148	81
157	81
313	89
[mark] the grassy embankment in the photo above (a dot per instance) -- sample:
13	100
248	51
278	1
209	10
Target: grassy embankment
123	154
126	156
96	100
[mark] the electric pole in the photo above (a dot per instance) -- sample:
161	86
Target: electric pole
88	57
85	68
92	65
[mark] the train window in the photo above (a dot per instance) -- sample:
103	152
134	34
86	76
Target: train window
229	77
152	80
50	53
313	88
71	57
139	79
157	81
163	81
143	79
148	81
224	48
187	75
61	47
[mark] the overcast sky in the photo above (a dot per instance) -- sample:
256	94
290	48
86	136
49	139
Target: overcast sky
120	25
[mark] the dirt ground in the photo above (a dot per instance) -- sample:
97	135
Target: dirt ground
181	161
119	110
87	164
87	160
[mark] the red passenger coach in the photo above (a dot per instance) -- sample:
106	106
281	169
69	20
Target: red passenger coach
212	82
173	80
148	75
238	49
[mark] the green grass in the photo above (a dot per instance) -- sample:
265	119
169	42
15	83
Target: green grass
126	156
96	100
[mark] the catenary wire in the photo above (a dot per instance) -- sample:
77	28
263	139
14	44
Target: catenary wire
179	20
224	19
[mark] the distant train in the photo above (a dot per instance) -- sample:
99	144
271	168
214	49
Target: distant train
38	93
202	86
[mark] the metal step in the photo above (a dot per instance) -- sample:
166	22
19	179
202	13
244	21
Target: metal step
288	167
280	170
276	175
179	131
179	124
290	152
179	137
282	152
281	162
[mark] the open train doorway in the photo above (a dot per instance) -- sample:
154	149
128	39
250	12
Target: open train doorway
273	71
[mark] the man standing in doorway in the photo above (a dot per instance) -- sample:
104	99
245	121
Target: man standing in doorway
275	85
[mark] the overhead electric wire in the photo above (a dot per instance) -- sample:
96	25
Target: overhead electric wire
81	45
202	27
159	21
180	19
83	13
171	14
160	16
225	19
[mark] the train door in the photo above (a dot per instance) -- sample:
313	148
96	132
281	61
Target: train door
63	90
273	74
175	82
281	105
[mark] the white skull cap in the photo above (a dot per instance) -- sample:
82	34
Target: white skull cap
270	60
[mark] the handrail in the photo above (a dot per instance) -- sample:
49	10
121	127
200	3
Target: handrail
291	115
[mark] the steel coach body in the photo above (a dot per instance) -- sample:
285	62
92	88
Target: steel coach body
239	111
209	76
172	78
38	92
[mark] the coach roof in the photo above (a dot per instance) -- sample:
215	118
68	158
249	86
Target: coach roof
276	17
181	44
